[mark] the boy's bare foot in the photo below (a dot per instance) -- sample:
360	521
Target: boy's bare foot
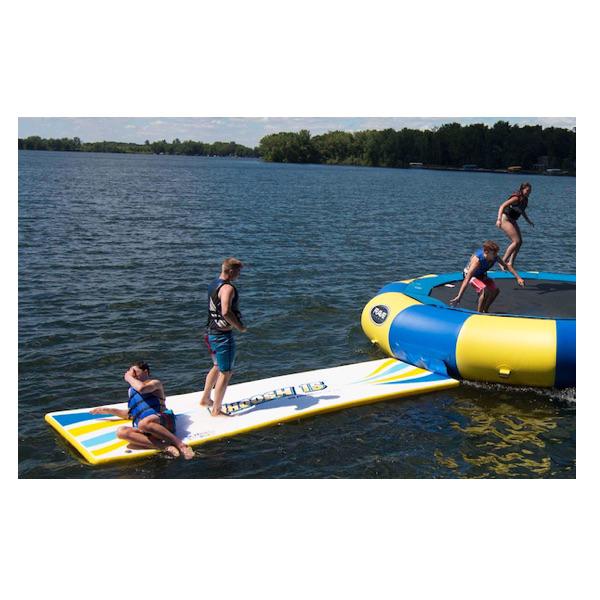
212	413
208	403
172	451
219	413
187	452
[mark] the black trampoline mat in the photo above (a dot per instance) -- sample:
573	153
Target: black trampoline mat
539	298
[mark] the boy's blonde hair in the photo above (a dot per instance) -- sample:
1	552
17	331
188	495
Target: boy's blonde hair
231	264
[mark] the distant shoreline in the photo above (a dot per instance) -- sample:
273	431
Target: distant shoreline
506	149
554	173
176	147
139	153
549	172
503	148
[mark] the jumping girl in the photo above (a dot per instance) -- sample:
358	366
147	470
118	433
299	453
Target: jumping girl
508	214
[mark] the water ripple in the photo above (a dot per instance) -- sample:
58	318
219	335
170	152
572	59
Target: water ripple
114	256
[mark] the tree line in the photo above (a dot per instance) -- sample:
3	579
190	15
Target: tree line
451	145
530	147
188	148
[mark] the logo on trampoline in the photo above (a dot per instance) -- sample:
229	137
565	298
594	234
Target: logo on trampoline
379	314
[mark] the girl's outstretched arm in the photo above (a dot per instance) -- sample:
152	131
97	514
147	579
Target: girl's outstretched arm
526	217
470	271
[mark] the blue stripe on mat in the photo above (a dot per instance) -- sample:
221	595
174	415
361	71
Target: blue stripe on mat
100	439
69	419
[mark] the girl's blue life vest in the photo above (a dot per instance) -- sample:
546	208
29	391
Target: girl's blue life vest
484	265
141	406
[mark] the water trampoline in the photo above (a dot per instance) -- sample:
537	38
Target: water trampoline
528	338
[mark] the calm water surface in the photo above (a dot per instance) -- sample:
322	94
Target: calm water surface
115	252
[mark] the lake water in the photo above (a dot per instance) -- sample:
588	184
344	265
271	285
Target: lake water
115	252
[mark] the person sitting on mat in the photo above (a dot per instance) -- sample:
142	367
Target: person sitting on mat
475	273
153	424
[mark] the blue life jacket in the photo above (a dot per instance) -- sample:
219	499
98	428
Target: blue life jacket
142	405
484	265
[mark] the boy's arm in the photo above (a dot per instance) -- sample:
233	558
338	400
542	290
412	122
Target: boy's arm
107	410
226	296
144	387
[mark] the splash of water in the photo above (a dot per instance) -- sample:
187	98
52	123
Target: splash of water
567	395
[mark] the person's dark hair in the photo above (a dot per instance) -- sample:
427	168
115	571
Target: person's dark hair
524	185
144	366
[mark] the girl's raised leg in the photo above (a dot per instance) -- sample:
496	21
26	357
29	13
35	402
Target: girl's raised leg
511	229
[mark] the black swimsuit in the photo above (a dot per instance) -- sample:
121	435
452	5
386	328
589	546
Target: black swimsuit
515	210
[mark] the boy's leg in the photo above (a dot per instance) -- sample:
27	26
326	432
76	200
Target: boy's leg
211	379
224	348
141	440
480	288
491	293
220	388
481	301
152	426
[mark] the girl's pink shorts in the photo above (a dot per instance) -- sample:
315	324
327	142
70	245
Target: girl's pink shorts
482	284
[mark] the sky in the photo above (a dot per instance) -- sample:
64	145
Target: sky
243	130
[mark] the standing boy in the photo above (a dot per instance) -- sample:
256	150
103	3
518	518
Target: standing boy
223	316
